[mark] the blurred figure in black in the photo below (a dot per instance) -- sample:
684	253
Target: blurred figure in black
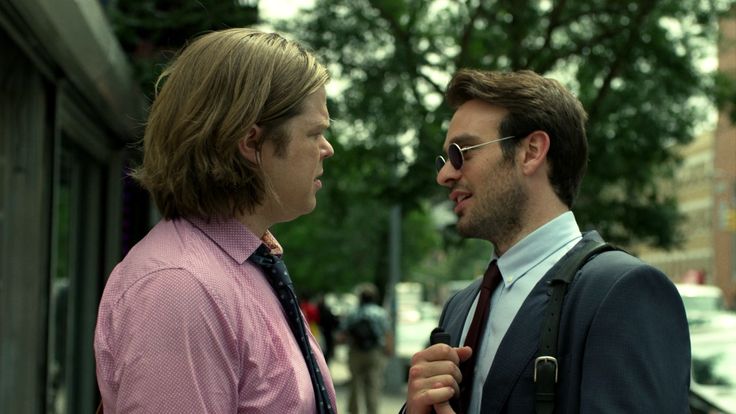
328	324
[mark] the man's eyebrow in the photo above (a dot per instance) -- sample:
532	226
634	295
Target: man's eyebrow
321	124
329	122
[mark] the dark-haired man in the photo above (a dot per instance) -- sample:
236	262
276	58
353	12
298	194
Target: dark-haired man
516	154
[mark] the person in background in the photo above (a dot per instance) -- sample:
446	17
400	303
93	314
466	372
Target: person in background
328	325
311	316
200	316
517	152
369	342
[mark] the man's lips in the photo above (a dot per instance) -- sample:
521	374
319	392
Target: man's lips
459	197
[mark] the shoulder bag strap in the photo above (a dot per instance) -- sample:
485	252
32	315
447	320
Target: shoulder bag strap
545	365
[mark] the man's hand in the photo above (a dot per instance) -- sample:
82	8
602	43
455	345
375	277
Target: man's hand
434	377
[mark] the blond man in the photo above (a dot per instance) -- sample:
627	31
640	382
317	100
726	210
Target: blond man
197	317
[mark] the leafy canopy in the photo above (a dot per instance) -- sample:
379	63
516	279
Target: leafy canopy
633	64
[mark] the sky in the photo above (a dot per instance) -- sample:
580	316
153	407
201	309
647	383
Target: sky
281	9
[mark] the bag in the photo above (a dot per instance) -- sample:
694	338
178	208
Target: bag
545	365
363	334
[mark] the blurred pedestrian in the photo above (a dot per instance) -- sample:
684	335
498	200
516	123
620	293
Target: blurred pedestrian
328	325
517	152
369	343
311	315
201	315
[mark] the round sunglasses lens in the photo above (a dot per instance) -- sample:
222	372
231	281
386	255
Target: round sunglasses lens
455	156
439	162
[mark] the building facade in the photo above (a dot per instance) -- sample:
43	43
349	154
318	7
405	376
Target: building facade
724	174
69	110
693	187
705	187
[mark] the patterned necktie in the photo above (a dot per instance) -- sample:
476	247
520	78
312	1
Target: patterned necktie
277	275
491	279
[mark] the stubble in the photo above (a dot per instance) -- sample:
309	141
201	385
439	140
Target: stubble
499	207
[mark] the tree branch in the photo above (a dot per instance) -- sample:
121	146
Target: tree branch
413	61
554	21
465	38
621	57
545	66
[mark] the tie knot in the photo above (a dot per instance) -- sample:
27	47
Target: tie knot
263	257
492	276
272	265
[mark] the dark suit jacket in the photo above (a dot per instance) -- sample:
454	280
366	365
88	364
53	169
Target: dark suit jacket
623	342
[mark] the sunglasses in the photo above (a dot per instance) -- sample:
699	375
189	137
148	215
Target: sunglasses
455	154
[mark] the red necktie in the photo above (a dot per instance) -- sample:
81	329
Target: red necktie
491	279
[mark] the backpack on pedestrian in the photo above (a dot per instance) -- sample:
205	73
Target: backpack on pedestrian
363	333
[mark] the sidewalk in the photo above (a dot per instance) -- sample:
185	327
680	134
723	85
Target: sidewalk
391	401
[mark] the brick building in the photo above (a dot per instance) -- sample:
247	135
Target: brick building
705	186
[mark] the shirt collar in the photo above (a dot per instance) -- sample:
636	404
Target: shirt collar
537	246
234	238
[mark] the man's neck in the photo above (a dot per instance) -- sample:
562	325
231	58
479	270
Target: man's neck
255	223
537	215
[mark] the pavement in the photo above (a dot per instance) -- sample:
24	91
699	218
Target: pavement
393	397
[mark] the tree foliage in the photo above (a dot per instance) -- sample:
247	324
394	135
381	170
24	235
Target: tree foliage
633	64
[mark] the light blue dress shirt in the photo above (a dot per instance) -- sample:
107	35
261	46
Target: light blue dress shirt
522	267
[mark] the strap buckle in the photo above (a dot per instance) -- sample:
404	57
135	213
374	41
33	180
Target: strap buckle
542	362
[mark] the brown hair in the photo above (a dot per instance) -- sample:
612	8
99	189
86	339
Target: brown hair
533	103
214	91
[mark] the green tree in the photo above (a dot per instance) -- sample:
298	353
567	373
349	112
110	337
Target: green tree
344	241
633	64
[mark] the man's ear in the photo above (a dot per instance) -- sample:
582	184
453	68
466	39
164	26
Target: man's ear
248	145
535	148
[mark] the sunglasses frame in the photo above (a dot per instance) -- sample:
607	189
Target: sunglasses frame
455	153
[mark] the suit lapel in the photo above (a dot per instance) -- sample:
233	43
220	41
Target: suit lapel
457	311
517	348
520	344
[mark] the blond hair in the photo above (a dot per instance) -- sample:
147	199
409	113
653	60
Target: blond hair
213	93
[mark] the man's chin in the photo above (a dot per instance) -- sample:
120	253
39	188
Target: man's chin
296	213
464	228
309	208
469	229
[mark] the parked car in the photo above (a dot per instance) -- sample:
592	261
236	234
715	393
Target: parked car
701	302
713	383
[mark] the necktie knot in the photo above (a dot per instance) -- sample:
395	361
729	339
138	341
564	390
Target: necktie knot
491	277
263	257
272	265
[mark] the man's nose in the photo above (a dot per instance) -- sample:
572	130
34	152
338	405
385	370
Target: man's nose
327	150
447	175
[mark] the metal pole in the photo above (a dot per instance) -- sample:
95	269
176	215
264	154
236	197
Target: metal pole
394	375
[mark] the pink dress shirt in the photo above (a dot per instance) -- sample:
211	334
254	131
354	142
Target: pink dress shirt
187	324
